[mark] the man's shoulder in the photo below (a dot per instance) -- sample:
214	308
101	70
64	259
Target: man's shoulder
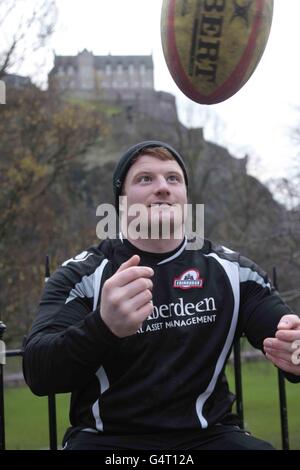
249	270
91	258
210	248
224	252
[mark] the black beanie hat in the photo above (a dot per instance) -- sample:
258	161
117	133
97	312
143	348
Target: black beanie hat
125	163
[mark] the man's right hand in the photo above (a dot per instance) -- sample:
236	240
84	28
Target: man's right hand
126	299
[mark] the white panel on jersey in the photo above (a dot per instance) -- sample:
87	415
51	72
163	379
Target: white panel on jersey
97	281
104	385
232	270
89	286
227	250
247	274
78	258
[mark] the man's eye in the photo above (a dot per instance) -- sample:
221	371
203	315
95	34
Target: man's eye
145	178
173	178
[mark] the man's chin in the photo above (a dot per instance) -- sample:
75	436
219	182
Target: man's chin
165	227
161	225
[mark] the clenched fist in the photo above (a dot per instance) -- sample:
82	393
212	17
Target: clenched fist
284	349
126	299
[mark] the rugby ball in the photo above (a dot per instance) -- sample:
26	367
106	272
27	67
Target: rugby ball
212	47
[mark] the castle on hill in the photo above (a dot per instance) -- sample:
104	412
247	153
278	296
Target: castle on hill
124	80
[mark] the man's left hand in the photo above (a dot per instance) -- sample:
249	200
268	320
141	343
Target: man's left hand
284	349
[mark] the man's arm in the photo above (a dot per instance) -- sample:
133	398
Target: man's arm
263	314
68	340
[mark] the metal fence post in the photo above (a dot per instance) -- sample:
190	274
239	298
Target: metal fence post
283	412
2	362
282	394
52	422
51	398
238	380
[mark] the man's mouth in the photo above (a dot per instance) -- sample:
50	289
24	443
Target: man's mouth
155	204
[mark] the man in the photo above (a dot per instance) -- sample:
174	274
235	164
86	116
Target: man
140	329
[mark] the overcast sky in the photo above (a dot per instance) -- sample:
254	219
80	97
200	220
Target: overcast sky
257	120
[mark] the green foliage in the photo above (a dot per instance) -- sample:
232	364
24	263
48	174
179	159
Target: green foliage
42	140
106	108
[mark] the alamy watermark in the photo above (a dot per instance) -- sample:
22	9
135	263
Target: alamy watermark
2	352
296	354
2	92
157	221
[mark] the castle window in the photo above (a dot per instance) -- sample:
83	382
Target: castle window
142	69
119	69
131	69
108	69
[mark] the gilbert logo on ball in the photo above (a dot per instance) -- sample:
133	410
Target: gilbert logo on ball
212	47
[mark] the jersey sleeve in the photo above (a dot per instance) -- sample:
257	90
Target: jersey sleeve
261	307
68	339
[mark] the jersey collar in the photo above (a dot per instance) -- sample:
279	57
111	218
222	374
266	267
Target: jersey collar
159	258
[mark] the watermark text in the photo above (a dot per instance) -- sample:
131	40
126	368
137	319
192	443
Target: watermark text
296	354
2	92
162	221
2	352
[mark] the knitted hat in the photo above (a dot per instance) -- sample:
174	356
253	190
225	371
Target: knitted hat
125	163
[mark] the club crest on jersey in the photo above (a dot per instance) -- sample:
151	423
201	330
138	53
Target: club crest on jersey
189	279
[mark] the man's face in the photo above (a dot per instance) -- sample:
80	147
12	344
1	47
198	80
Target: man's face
159	186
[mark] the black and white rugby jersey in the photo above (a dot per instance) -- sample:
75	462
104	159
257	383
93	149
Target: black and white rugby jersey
170	374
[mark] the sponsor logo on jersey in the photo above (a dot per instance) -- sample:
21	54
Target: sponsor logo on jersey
189	279
182	309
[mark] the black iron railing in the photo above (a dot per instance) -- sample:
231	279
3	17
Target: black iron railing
282	394
238	391
51	402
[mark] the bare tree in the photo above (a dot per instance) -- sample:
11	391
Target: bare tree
25	27
40	136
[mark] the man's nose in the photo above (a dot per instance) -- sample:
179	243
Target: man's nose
162	186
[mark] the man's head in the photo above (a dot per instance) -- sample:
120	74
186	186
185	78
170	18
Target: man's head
151	147
152	175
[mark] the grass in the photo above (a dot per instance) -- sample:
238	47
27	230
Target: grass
26	416
261	403
26	419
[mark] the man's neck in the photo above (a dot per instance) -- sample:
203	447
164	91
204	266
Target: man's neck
156	246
